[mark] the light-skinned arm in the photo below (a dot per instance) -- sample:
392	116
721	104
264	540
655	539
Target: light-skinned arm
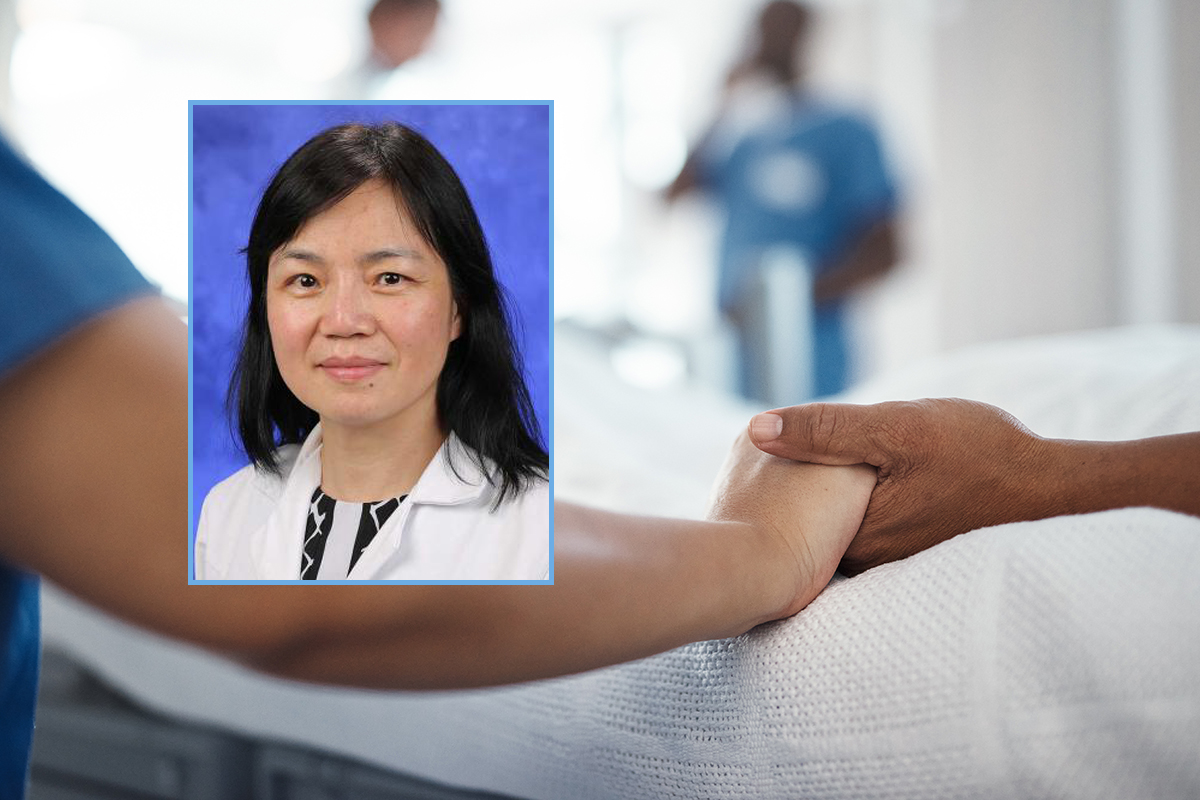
93	492
948	466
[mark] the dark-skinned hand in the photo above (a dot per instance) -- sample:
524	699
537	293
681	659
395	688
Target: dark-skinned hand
945	467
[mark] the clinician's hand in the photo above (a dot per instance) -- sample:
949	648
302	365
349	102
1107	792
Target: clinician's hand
812	511
950	466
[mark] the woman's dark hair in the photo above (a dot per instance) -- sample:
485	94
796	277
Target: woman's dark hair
481	396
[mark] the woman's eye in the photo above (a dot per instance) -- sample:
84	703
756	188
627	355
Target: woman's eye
391	278
304	281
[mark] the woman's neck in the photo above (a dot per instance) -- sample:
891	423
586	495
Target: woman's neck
362	464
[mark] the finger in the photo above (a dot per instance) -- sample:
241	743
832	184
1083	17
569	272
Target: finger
828	433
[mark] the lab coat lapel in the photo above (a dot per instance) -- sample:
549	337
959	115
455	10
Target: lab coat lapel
281	542
438	485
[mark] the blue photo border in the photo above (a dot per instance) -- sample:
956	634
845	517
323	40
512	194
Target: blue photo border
549	104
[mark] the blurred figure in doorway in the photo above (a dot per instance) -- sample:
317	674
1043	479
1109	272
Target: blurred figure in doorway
400	30
797	174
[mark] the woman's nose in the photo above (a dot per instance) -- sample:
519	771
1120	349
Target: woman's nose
347	311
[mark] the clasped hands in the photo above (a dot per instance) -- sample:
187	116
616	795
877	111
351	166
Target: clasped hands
909	475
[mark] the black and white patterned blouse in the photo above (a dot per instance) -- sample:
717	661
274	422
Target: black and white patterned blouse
338	532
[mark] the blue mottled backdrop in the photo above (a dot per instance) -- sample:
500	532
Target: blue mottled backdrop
502	154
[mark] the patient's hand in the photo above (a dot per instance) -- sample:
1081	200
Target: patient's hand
812	511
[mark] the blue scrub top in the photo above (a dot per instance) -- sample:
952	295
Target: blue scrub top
813	179
59	269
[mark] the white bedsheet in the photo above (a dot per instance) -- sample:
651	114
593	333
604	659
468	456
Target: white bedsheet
1056	658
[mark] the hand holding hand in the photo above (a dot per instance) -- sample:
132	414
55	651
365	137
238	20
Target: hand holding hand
811	511
945	467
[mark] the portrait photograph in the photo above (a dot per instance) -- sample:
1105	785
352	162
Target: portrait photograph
370	351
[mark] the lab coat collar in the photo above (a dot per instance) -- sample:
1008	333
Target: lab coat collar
282	538
451	477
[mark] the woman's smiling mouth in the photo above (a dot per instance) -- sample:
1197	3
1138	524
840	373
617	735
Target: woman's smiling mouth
350	370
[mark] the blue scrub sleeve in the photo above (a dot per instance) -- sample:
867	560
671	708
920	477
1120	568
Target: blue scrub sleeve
868	187
19	616
59	270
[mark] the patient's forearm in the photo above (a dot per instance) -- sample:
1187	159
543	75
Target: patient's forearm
625	587
1075	477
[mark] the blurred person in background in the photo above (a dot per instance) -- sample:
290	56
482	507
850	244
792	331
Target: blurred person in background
400	31
797	172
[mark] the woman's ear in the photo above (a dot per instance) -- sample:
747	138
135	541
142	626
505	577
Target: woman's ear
456	323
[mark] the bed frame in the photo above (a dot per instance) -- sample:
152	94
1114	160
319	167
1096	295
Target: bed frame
94	743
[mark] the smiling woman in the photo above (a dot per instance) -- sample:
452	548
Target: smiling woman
361	318
377	387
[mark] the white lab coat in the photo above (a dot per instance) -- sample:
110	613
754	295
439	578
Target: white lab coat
252	524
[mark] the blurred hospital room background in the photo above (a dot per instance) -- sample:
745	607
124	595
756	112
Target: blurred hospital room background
1043	152
1047	184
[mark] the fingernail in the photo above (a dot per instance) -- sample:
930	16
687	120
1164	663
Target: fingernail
766	427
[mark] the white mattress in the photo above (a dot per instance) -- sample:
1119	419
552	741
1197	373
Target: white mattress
1055	658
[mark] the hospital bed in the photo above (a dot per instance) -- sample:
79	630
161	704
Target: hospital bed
1054	658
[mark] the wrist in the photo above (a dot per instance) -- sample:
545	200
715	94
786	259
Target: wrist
1071	477
764	588
787	577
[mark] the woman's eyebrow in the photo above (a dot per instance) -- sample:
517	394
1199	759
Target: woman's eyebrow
302	255
385	253
382	254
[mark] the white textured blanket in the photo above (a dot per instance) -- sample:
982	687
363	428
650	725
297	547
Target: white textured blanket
1058	658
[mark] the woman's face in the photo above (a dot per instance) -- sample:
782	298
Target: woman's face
361	313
